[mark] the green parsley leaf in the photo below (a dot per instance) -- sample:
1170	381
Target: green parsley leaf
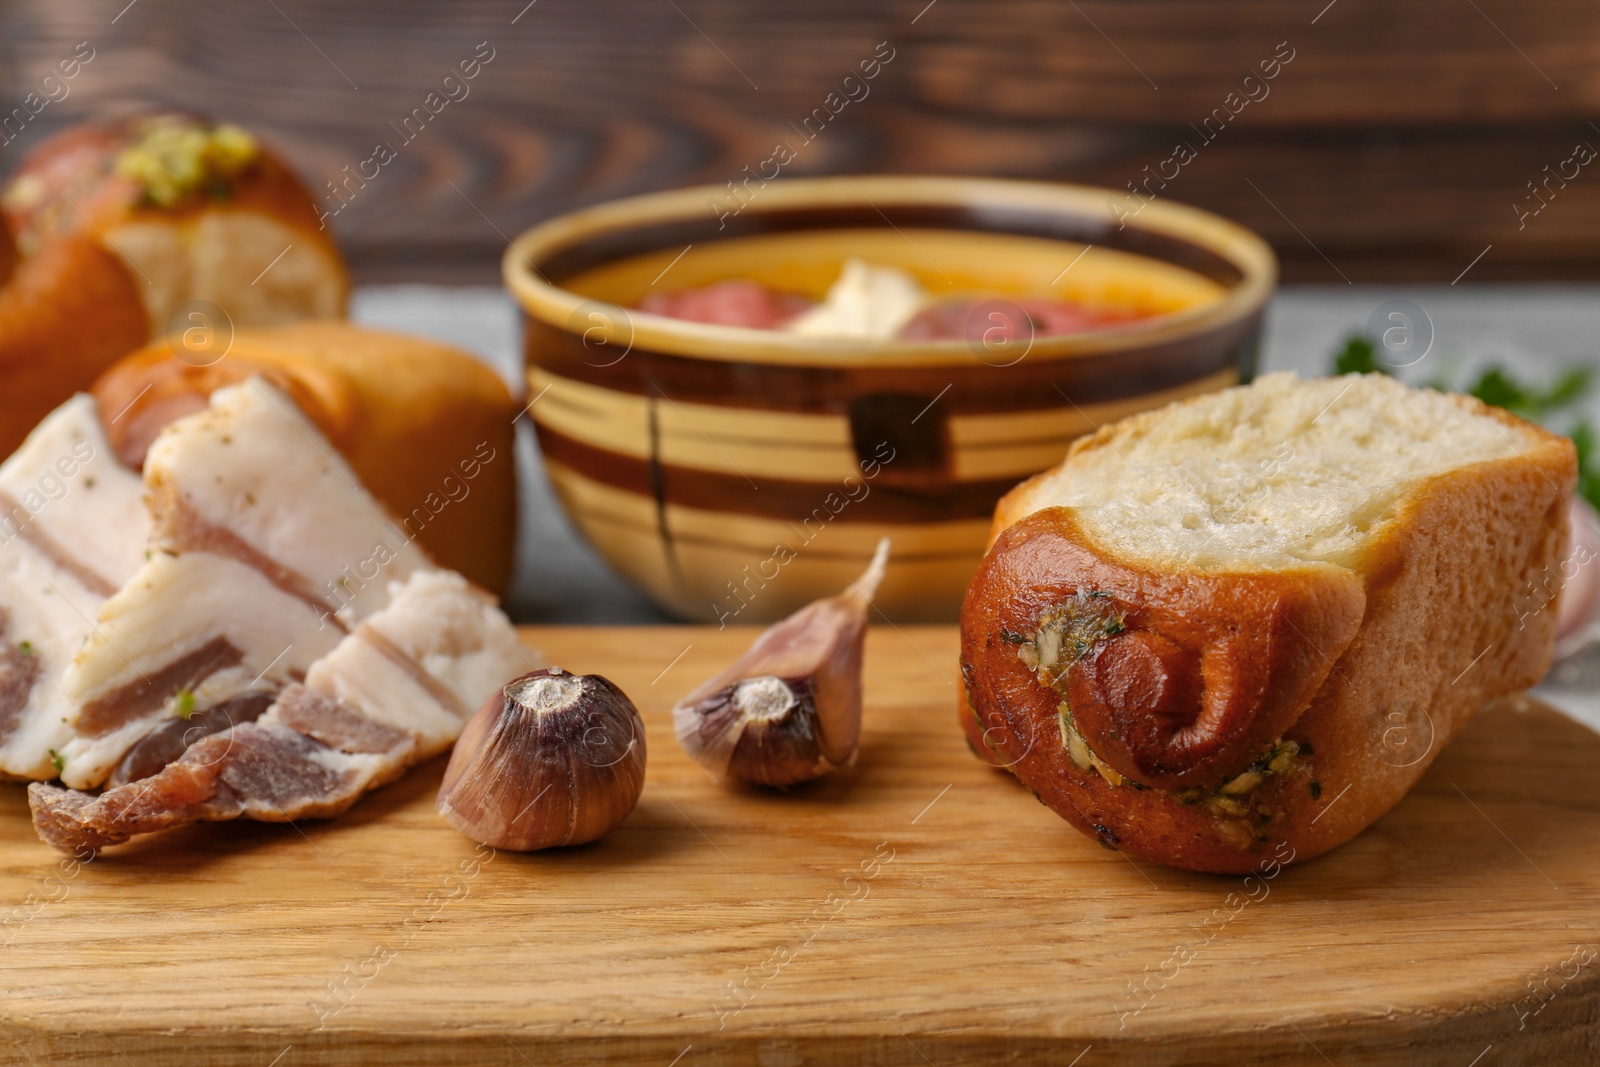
1573	385
1583	436
1497	388
184	703
56	761
1358	356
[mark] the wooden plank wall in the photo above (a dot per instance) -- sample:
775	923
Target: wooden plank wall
1398	143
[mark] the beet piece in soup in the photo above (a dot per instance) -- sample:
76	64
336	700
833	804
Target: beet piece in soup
955	319
730	303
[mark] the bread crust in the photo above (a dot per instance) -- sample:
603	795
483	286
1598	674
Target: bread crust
70	305
1360	675
427	428
65	315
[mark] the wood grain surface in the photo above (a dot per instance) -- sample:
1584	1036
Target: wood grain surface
917	909
1397	144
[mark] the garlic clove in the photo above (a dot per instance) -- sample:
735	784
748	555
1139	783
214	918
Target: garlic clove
552	759
789	709
772	724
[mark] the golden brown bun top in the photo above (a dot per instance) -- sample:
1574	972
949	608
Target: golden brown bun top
342	376
421	423
98	175
109	229
1185	678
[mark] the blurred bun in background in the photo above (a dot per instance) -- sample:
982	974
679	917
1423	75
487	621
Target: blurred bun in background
119	232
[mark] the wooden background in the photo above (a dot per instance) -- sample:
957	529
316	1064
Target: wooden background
1394	146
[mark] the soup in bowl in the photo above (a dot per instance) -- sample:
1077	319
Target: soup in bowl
734	408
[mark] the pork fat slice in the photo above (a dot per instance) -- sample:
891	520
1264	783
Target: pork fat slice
72	530
394	691
264	553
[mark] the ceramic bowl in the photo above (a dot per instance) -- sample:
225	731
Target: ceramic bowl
734	474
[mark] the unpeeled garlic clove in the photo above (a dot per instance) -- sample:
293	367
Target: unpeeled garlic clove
776	723
789	709
552	759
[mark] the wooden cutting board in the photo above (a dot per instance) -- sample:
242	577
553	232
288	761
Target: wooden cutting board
919	909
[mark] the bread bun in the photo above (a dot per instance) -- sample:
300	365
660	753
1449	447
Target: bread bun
1252	619
112	228
427	428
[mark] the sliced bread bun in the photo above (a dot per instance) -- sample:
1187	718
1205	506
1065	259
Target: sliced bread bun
1242	626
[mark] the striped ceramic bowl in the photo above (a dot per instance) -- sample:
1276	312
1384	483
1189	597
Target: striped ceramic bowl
734	474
